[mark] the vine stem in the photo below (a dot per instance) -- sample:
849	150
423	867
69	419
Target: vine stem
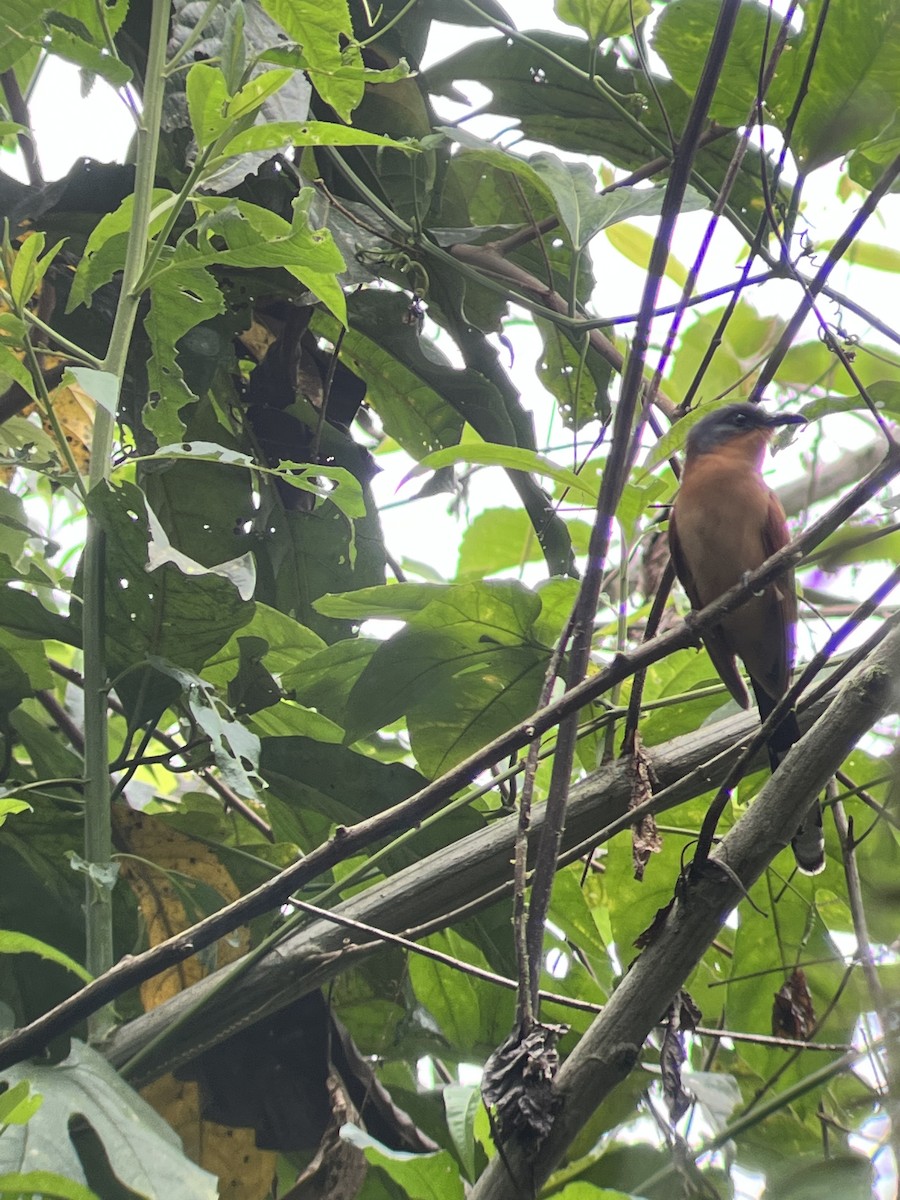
98	826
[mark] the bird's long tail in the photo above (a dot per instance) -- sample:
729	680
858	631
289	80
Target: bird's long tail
808	843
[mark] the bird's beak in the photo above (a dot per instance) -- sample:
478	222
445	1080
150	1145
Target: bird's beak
787	419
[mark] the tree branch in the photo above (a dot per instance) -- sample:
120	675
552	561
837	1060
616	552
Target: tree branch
609	1050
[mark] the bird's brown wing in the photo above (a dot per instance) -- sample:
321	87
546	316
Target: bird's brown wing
781	605
714	639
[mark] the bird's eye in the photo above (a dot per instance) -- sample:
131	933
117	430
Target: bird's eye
740	418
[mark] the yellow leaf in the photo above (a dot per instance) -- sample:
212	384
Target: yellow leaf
159	865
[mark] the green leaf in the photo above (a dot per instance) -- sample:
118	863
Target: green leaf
323	30
18	1104
177	305
290	645
513	458
389	601
575	375
20	943
413	411
43	1184
10	808
101	386
178	618
89	56
255	238
278	135
636	245
207	96
853	91
461	1103
465	668
496	540
287	719
255	92
584	213
143	1152
331	781
420	1176
884	393
324	681
234	747
21	22
602	18
24	616
233	59
681	38
346	495
30	266
104	253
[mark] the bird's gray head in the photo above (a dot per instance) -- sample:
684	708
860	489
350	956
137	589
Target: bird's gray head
731	421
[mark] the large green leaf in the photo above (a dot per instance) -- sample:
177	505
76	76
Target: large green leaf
143	1152
851	97
560	106
466	667
165	613
421	1176
315	786
681	38
602	18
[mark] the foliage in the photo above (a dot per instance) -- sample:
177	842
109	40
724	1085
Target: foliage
221	688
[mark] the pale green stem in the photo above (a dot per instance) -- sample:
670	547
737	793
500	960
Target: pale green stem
97	825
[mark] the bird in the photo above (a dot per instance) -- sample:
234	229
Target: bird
725	522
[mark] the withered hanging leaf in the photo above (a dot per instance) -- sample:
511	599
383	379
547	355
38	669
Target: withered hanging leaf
793	1015
645	839
518	1083
683	1015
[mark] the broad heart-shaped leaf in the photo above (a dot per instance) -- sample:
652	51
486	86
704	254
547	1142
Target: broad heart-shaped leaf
681	38
584	213
602	18
466	667
854	89
143	1152
850	97
164	613
564	109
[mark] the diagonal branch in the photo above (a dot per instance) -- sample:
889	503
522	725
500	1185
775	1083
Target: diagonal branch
609	1050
